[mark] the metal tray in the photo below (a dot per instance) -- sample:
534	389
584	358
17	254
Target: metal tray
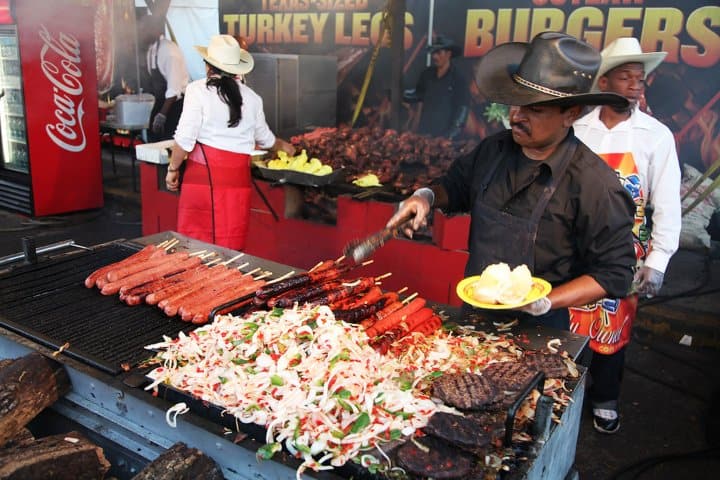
299	178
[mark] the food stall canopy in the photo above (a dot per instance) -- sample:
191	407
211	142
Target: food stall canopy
193	22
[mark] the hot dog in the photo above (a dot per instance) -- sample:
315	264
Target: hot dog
168	267
101	272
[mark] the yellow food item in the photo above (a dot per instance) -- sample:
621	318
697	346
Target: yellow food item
299	163
369	180
324	170
520	285
499	284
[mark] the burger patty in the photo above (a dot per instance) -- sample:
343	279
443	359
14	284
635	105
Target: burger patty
439	461
463	431
465	391
552	365
511	376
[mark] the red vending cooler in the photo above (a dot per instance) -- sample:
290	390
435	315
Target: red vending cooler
49	128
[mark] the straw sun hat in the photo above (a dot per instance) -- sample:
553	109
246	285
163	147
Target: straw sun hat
225	53
627	50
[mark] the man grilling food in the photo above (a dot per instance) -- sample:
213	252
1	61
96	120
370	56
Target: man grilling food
538	196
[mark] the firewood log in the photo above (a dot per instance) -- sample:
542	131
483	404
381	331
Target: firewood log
28	385
67	456
25	437
181	463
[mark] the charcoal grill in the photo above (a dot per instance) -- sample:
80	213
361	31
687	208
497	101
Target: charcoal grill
45	306
48	302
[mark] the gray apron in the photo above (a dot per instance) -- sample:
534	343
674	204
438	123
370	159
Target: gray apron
498	236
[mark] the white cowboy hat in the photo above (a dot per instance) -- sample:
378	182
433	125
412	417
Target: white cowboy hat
627	50
225	53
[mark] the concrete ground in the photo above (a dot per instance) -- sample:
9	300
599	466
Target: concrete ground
670	403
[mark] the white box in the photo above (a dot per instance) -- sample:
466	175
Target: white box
133	110
154	152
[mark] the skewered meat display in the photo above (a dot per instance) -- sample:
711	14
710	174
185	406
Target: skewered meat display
405	160
177	282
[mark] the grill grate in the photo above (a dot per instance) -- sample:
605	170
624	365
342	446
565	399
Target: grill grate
48	303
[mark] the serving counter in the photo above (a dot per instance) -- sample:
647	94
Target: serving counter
432	263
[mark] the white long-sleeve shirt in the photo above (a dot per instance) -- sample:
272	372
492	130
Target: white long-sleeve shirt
652	147
167	57
205	118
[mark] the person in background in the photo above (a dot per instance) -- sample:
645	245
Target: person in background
536	194
221	123
442	93
641	150
168	77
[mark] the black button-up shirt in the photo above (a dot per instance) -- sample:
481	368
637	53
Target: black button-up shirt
587	225
442	99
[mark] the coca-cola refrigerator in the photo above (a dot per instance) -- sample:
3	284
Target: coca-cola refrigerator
50	157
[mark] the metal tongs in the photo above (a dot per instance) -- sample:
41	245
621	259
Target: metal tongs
360	250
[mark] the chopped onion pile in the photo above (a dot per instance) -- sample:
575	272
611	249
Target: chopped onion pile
314	382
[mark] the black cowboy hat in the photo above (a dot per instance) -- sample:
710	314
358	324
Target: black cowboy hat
441	42
553	69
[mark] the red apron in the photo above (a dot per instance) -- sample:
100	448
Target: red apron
215	197
608	322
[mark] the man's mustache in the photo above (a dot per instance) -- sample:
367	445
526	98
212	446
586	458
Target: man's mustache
521	127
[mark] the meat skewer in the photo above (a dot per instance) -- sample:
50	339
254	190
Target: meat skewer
161	283
392	320
172	265
157	252
119	273
101	272
196	282
203	312
355	315
172	304
236	280
199	312
299	280
223	293
137	294
323	293
323	271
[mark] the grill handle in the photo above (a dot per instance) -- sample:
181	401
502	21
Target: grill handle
44	249
537	382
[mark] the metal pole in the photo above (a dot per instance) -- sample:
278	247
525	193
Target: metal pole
431	20
397	53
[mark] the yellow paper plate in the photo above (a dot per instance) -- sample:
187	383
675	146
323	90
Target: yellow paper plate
540	289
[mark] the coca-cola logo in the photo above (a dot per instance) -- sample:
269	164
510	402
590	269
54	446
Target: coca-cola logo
60	62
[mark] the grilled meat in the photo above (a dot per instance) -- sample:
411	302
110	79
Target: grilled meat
465	432
465	391
552	365
439	461
511	376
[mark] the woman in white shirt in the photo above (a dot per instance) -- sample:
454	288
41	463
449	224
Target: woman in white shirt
221	124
